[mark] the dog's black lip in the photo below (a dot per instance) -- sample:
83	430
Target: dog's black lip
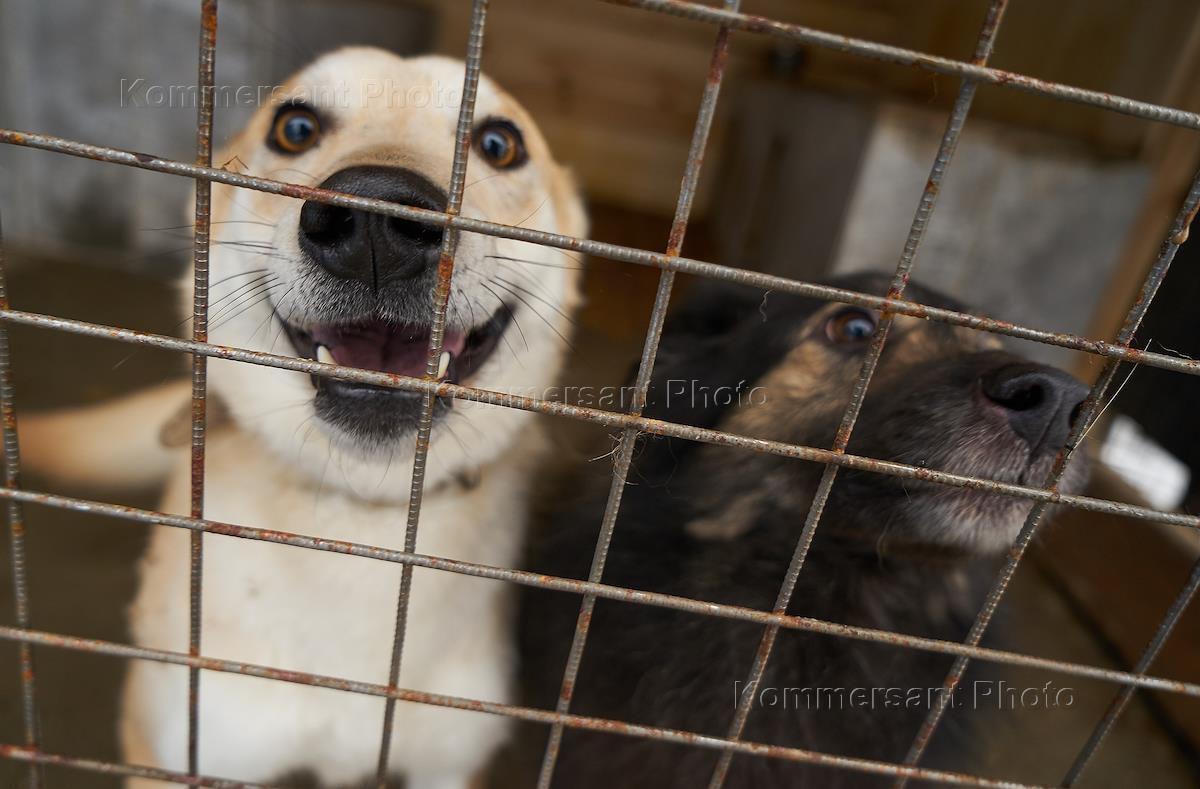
481	342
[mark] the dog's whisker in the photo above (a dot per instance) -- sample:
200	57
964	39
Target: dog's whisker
481	180
271	315
524	279
279	409
244	242
244	305
526	261
308	423
178	326
461	445
542	299
264	254
284	321
232	299
512	319
272	173
239	290
158	254
533	213
238	274
321	483
533	309
190	226
387	468
511	316
467	422
556	250
247	209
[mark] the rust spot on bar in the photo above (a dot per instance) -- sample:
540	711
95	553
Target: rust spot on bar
1180	238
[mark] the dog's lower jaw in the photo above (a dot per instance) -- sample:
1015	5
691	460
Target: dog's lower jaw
327	614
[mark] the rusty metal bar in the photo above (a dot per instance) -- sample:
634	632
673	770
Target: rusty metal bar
924	212
16	535
531	714
200	253
631	423
613	419
908	57
600	249
1121	700
37	759
1091	408
441	301
629	436
573	586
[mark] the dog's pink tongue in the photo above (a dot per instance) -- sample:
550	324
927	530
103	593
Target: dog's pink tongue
384	347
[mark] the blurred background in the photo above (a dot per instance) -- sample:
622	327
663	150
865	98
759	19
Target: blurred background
1049	217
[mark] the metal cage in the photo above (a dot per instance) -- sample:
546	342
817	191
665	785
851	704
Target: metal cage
630	422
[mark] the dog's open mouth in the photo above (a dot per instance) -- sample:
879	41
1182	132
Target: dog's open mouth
378	412
399	348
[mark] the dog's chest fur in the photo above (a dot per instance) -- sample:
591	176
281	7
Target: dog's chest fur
332	614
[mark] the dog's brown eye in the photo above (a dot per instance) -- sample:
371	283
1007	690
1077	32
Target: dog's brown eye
501	144
296	130
851	325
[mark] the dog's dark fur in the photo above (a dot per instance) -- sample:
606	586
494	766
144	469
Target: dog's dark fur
721	524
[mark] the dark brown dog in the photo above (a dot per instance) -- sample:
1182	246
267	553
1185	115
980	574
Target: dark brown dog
721	524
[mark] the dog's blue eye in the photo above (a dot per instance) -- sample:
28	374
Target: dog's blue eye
851	325
500	144
296	130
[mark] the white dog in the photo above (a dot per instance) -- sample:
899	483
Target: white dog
334	459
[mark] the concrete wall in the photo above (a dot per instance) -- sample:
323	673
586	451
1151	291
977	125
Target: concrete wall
96	71
1027	228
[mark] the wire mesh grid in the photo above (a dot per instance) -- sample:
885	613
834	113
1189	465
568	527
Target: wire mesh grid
631	424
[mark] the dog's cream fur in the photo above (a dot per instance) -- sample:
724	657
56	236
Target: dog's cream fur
278	467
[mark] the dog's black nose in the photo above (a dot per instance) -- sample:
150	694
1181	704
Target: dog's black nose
373	248
1041	402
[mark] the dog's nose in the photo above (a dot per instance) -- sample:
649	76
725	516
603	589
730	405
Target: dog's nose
373	248
1041	402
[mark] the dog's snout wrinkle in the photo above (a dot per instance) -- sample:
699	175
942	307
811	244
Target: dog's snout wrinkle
1040	402
373	248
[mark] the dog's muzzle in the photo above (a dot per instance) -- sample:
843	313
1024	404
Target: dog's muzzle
376	288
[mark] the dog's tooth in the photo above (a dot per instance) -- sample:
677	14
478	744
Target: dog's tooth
443	364
324	355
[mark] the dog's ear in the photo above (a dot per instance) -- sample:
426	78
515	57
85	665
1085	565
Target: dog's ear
700	351
711	308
